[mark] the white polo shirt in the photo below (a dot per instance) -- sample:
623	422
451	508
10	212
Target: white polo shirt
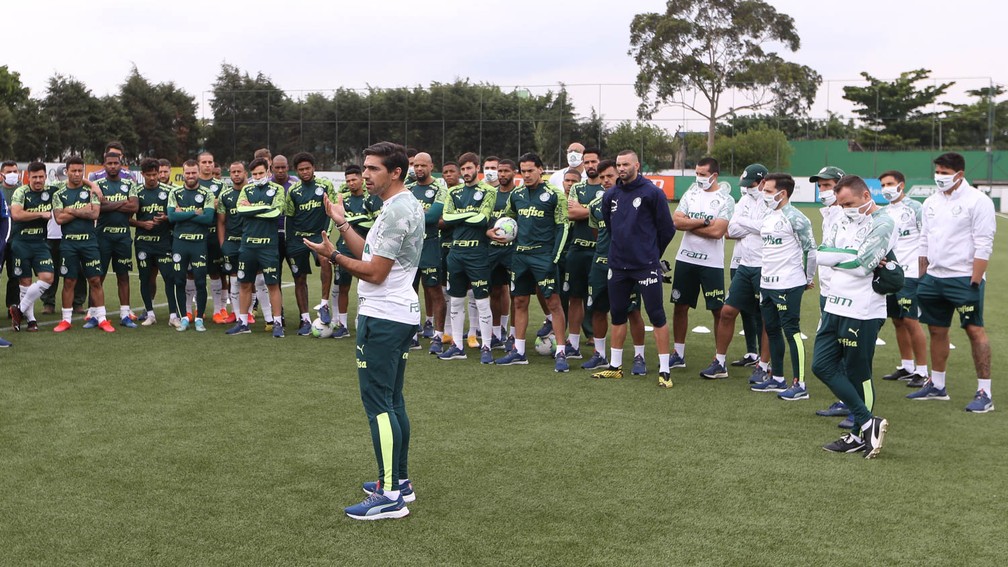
955	229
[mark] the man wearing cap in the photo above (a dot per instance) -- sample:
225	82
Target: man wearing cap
744	294
957	238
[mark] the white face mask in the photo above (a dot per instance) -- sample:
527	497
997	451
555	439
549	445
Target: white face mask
490	176
945	182
771	200
892	193
261	181
704	183
856	214
574	159
11	178
753	192
411	172
827	198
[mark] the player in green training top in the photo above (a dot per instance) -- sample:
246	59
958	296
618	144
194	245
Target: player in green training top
229	232
153	241
581	253
215	258
500	260
361	210
118	203
541	211
31	209
192	208
306	218
467	209
431	195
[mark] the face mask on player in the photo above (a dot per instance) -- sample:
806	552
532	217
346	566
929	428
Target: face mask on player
11	178
753	192
945	182
574	159
411	172
490	175
827	198
704	183
856	214
892	193
261	181
771	200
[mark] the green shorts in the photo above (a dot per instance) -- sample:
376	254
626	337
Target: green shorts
689	278
500	265
598	288
579	265
300	257
251	261
940	297
31	256
845	345
529	271
429	273
189	256
903	304
466	270
151	258
77	254
116	248
744	292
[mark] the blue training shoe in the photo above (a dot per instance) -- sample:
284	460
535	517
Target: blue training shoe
769	385
405	489
453	353
546	329
596	361
340	332
715	371
571	352
847	423
436	346
377	506
5	344
239	329
324	314
511	358
128	323
929	392
305	329
561	363
496	343
676	361
838	409
981	403
639	367
278	332
758	375
428	333
91	323
794	393
486	357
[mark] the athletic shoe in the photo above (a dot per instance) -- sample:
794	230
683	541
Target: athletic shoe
325	314
127	322
794	393
848	443
436	346
769	385
511	357
428	333
189	316
758	375
609	372
496	344
838	409
132	315
405	489
509	344
233	318
746	361
268	326
917	381
981	403
149	320
874	436
900	374
278	332
414	343
32	326
377	506
472	341
571	352
16	316
5	344
239	329
305	329
106	326
546	329
929	392
174	321
664	380
91	323
183	325
142	318
560	364
340	332
62	326
639	367
714	371
847	423
220	317
676	361
251	318
200	327
596	361
453	353
486	357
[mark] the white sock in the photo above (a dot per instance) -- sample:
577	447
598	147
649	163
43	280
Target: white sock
497	331
615	357
778	378
520	346
429	320
559	349
511	331
456	319
921	370
802	384
549	318
680	349
473	314
504	323
985	385
343	319
243	317
68	314
334	294
305	317
235	287
574	339
764	366
216	287
124	311
324	302
438	334
90	313
29	312
31	294
638	350
100	313
599	345
663	364
485	318
391	494
721	358
907	365
938	379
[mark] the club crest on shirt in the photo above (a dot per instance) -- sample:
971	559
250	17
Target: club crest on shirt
162	195
199	198
176	257
544	197
124	189
84	194
636	202
599	193
44	197
141	255
429	193
319	191
957	210
478	196
270	192
241	274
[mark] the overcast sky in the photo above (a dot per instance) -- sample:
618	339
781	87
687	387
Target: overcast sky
314	45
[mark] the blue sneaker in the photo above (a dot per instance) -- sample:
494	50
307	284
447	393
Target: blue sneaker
5	344
847	423
305	329
838	409
183	325
595	361
769	385
676	361
509	344
715	371
639	366
571	352
340	332
929	392
91	323
758	375
128	323
546	329
428	333
198	324
453	353
794	393
496	344
239	329
415	344
405	490
325	315
436	346
511	357
561	363
981	403
278	332
486	357
377	506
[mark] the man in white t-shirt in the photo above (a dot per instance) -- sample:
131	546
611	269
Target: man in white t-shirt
387	316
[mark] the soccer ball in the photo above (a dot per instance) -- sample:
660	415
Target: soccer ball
545	346
506	228
320	330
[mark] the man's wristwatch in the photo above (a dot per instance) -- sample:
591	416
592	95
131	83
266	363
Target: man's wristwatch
706	221
332	257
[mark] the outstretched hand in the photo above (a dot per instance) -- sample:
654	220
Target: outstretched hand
324	249
336	211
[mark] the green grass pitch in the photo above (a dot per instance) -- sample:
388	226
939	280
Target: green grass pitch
154	447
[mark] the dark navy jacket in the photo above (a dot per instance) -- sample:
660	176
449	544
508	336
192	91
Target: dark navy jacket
640	223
